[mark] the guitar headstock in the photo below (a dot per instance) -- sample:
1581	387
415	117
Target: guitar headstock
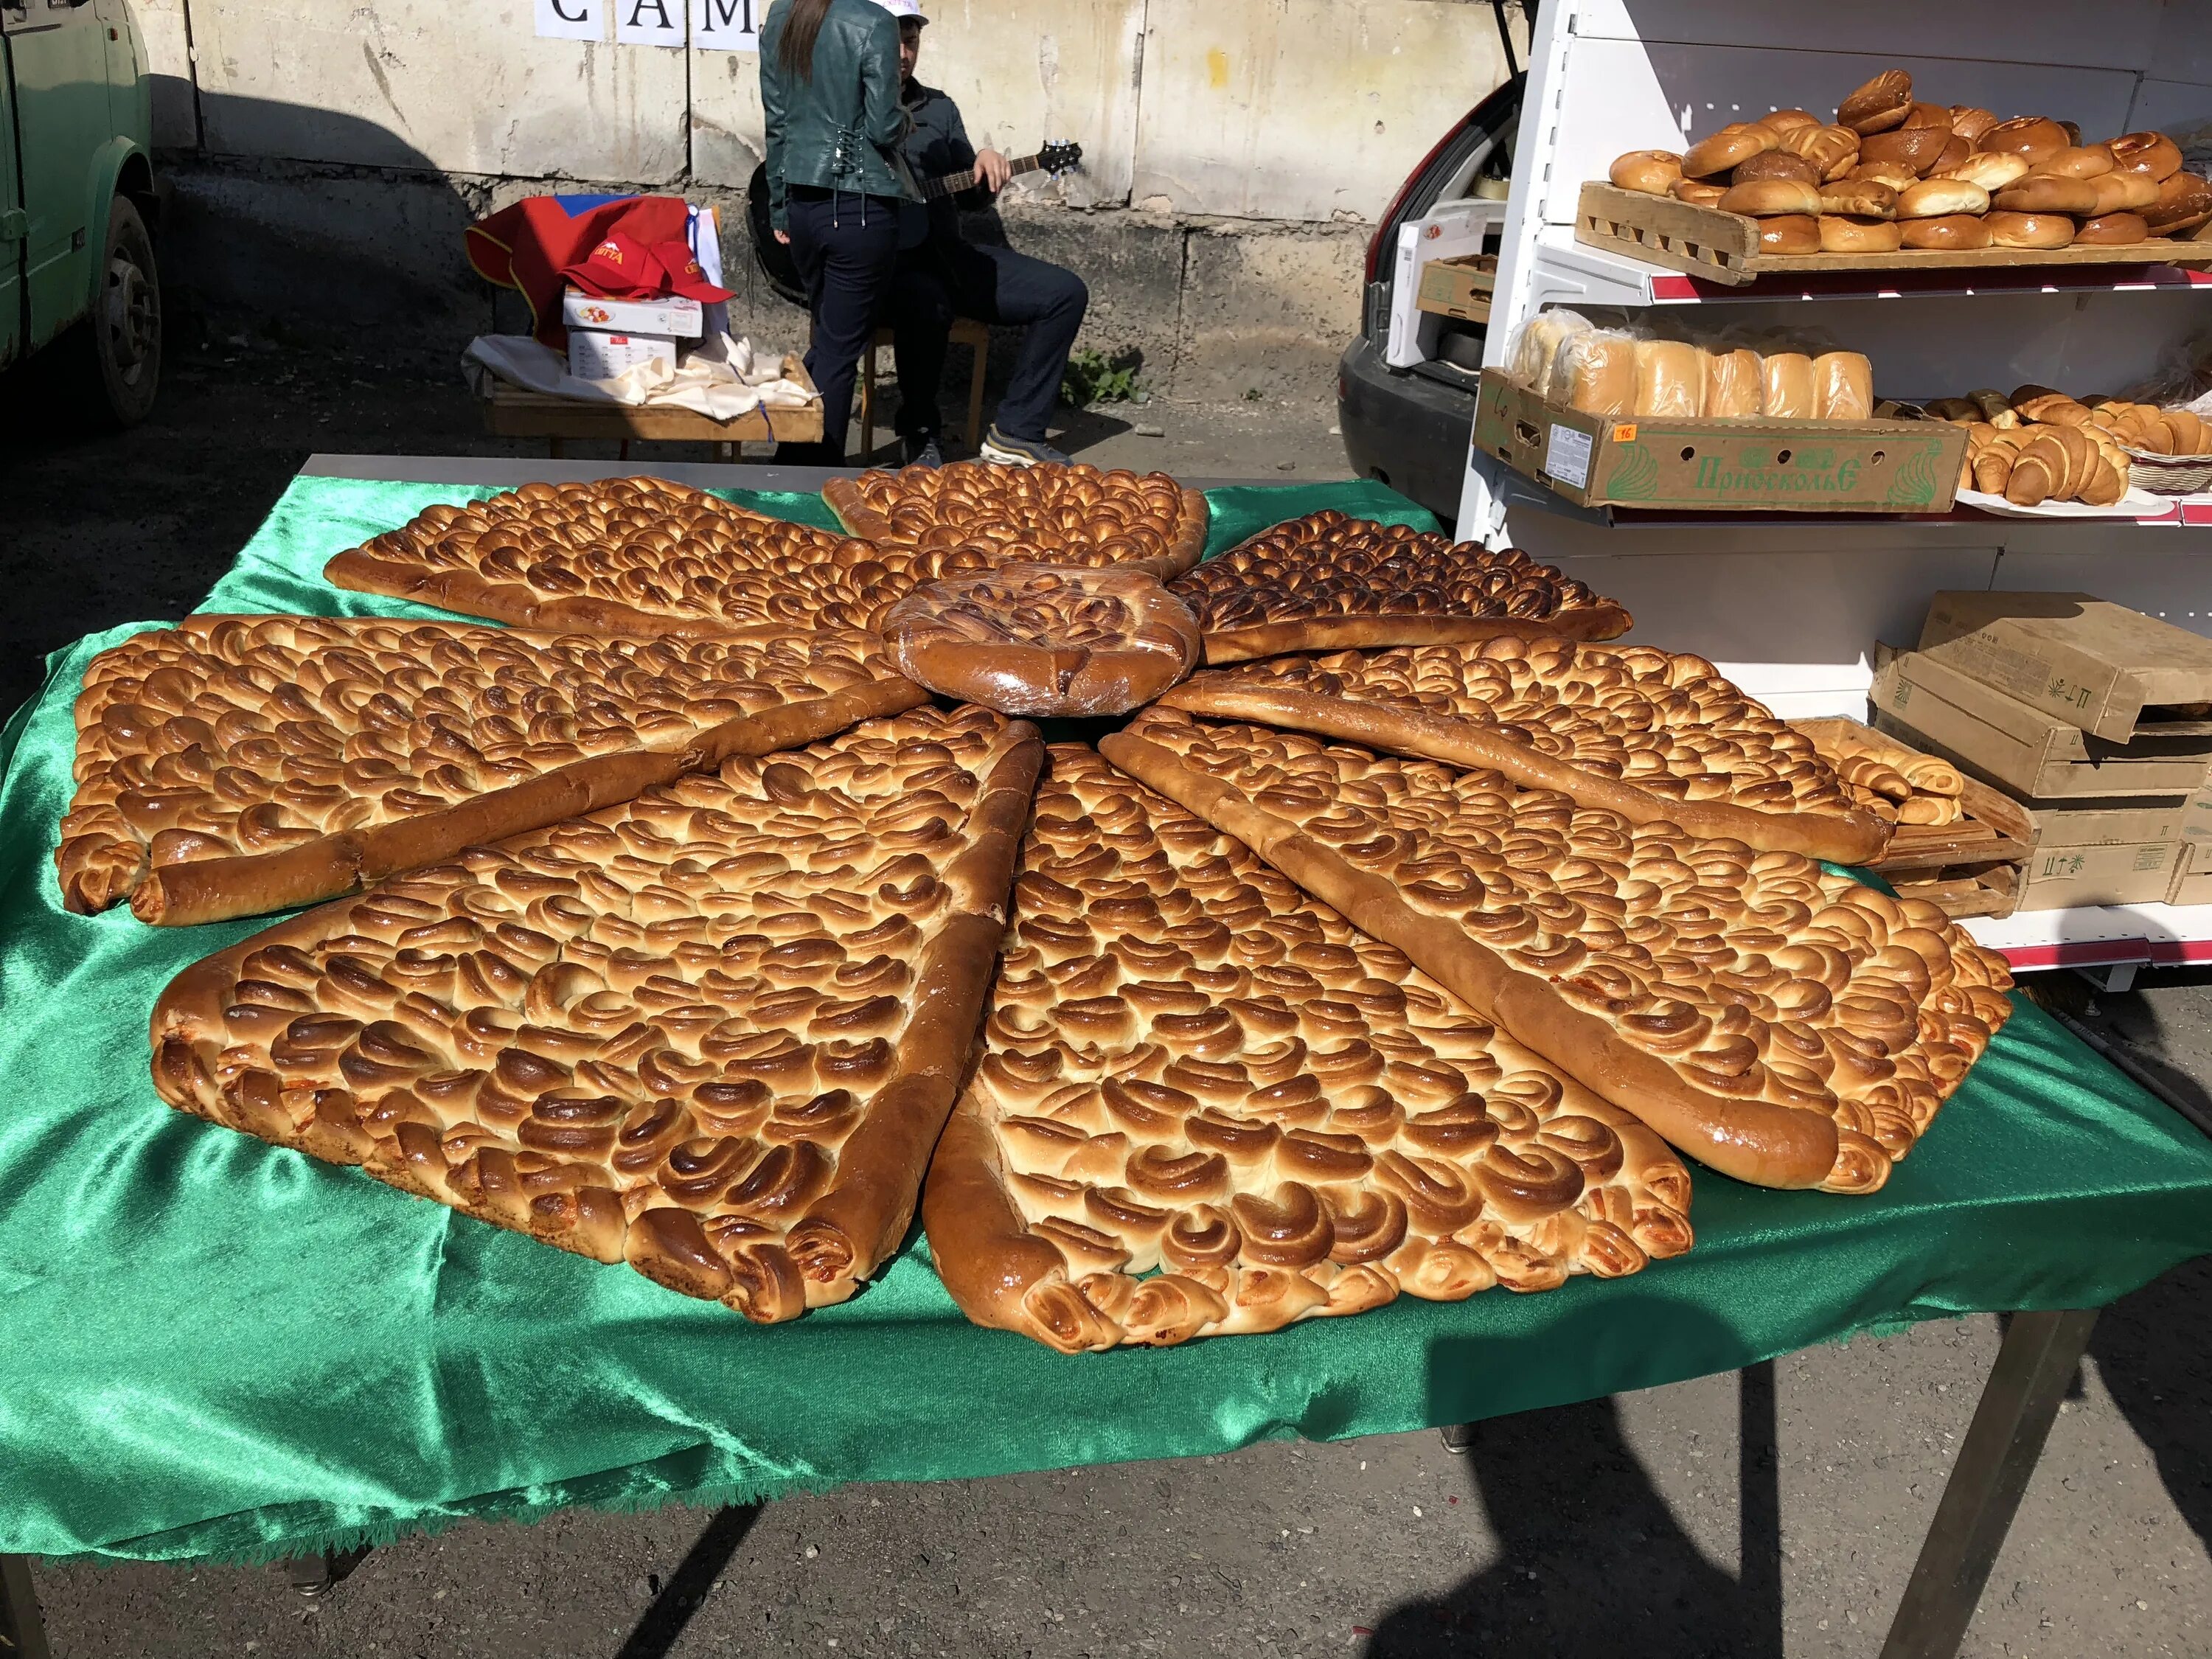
1054	156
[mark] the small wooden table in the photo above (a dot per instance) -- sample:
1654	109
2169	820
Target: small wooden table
510	411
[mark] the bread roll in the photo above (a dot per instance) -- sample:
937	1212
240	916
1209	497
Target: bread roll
2124	192
2113	229
1601	373
1762	196
2185	202
2192	434
2054	408
1989	169
1649	171
1991	402
1881	104
2151	154
1697	193
1785	387
1843	387
1733	388
2032	135
1670	380
1859	198
1737	142
1886	173
1914	144
2010	230
1781	164
1970	122
1785	121
1835	150
2044	193
1955	232
2076	162
1955	153
1935	198
1842	236
1789	234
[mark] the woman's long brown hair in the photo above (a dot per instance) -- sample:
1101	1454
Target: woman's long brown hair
794	51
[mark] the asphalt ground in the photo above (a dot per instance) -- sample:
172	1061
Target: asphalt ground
1776	1512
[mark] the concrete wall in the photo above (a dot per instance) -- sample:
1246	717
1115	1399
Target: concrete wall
327	152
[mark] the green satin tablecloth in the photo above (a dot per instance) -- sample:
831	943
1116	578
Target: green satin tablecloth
212	1346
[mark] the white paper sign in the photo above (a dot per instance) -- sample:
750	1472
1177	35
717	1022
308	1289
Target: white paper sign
572	20
1567	456
726	25
649	22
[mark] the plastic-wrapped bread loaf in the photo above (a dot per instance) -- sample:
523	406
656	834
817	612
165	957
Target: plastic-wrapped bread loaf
1600	373
1538	350
1670	380
1786	386
1843	387
1733	391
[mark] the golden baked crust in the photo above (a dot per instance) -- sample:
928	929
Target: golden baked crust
972	515
1326	581
1206	1105
1653	735
233	765
714	1033
627	556
1786	1026
1044	640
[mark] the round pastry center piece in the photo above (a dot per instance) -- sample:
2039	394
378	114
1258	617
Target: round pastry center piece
1044	640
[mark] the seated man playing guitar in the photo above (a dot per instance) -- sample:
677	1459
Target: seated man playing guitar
941	275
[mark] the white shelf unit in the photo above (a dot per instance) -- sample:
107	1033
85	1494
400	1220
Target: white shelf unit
1790	605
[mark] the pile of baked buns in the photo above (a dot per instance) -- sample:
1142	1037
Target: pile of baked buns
1890	173
1605	371
1916	789
2038	444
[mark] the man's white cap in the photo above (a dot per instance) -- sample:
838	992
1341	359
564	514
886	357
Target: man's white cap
903	9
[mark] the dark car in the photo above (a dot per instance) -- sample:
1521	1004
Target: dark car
1410	427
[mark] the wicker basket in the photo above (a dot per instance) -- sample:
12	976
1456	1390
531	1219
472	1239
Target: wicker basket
2169	475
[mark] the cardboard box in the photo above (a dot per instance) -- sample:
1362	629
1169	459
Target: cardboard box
596	356
2036	756
2057	877
1459	288
2196	816
2098	665
2104	823
2192	875
1809	466
672	315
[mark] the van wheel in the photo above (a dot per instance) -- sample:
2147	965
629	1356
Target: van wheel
118	358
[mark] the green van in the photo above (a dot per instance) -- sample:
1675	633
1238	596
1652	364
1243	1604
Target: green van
76	194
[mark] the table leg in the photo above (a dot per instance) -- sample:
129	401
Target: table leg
22	1632
2034	1369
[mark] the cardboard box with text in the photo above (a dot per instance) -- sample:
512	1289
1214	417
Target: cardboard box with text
2101	666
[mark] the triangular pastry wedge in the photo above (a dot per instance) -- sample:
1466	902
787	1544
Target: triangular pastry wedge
714	1032
973	515
1652	735
234	765
1784	1025
1204	1105
1325	582
626	556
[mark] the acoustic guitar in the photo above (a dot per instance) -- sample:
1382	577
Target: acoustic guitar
774	259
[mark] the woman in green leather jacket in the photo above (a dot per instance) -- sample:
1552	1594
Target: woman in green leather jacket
829	90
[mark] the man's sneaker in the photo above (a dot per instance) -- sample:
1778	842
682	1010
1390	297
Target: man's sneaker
924	450
1018	451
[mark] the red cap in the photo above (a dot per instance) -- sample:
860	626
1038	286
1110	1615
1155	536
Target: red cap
620	268
685	274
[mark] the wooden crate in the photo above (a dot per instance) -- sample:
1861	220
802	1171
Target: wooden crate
1723	247
1969	868
512	412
